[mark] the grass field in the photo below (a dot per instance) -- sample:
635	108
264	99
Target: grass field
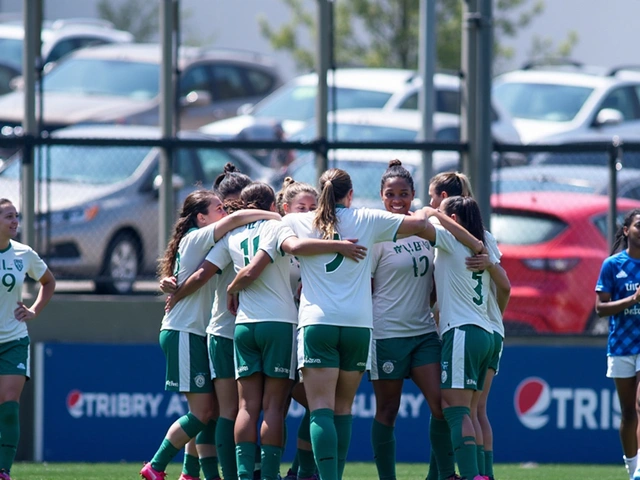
354	471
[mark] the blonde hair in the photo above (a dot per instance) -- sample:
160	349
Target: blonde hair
290	190
335	184
453	183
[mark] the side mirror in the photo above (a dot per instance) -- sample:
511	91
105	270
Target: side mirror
196	98
609	116
245	109
177	182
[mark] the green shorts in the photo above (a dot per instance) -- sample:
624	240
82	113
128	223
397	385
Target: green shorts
267	347
329	346
465	357
15	358
221	357
393	358
187	362
496	353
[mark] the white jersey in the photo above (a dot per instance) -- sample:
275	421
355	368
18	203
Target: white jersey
402	274
191	314
16	262
336	290
495	315
462	294
222	322
268	298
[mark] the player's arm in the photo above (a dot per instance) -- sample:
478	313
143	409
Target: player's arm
240	218
605	307
312	246
196	280
417	224
47	287
457	230
249	274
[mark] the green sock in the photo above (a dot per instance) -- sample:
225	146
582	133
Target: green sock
210	467
226	446
432	474
271	455
383	441
480	454
441	448
307	464
295	464
488	463
343	425
10	431
163	456
464	447
191	465
325	443
257	464
246	459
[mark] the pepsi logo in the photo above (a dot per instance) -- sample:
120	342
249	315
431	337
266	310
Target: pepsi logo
531	401
74	403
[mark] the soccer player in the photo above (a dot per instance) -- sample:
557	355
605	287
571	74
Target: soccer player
17	260
405	337
265	323
335	318
617	296
202	222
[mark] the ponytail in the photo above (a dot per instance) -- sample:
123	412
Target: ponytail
335	184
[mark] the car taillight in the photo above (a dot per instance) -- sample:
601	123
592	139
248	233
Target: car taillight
551	264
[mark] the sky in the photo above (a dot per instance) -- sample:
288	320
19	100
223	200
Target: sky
606	35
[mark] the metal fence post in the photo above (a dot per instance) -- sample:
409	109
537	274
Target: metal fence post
323	47
615	155
426	97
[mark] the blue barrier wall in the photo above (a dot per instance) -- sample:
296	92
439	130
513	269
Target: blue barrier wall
106	403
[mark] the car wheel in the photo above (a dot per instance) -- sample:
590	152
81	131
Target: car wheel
121	265
597	325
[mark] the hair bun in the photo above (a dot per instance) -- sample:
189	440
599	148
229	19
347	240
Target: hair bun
288	181
395	163
230	167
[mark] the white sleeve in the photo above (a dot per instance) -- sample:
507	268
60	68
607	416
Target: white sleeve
37	267
445	239
492	247
219	255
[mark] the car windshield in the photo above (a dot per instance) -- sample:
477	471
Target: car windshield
541	185
358	133
94	76
298	102
11	51
82	164
533	101
522	228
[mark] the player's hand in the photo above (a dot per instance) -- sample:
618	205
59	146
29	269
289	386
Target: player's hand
168	284
169	303
23	313
350	249
232	303
478	262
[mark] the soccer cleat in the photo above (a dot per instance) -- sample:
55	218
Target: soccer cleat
4	475
148	473
291	475
184	476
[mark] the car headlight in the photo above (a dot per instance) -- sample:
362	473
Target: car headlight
72	215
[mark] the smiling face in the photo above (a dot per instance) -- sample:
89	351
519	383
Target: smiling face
436	199
8	223
397	195
214	213
633	233
301	203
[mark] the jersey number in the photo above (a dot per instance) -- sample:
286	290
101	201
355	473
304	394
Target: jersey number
9	281
335	263
416	264
248	255
478	288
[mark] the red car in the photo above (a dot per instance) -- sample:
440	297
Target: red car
553	245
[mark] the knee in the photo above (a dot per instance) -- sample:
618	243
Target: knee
204	414
387	412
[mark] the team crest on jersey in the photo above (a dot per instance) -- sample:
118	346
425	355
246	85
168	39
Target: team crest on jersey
387	367
18	263
199	381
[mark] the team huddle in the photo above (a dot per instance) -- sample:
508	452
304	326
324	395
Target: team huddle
296	295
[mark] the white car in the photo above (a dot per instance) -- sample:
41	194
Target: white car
549	101
294	103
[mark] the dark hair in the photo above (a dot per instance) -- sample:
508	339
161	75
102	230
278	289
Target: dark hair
335	184
620	242
468	213
195	203
396	170
256	195
454	183
290	190
230	182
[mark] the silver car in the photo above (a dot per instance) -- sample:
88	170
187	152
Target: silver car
97	207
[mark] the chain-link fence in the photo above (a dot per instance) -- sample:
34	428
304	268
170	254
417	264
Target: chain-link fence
97	207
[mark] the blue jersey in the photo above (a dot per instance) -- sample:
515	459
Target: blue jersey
620	277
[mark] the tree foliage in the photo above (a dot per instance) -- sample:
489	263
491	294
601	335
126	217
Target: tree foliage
378	33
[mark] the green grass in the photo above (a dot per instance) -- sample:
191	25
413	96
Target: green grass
354	471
